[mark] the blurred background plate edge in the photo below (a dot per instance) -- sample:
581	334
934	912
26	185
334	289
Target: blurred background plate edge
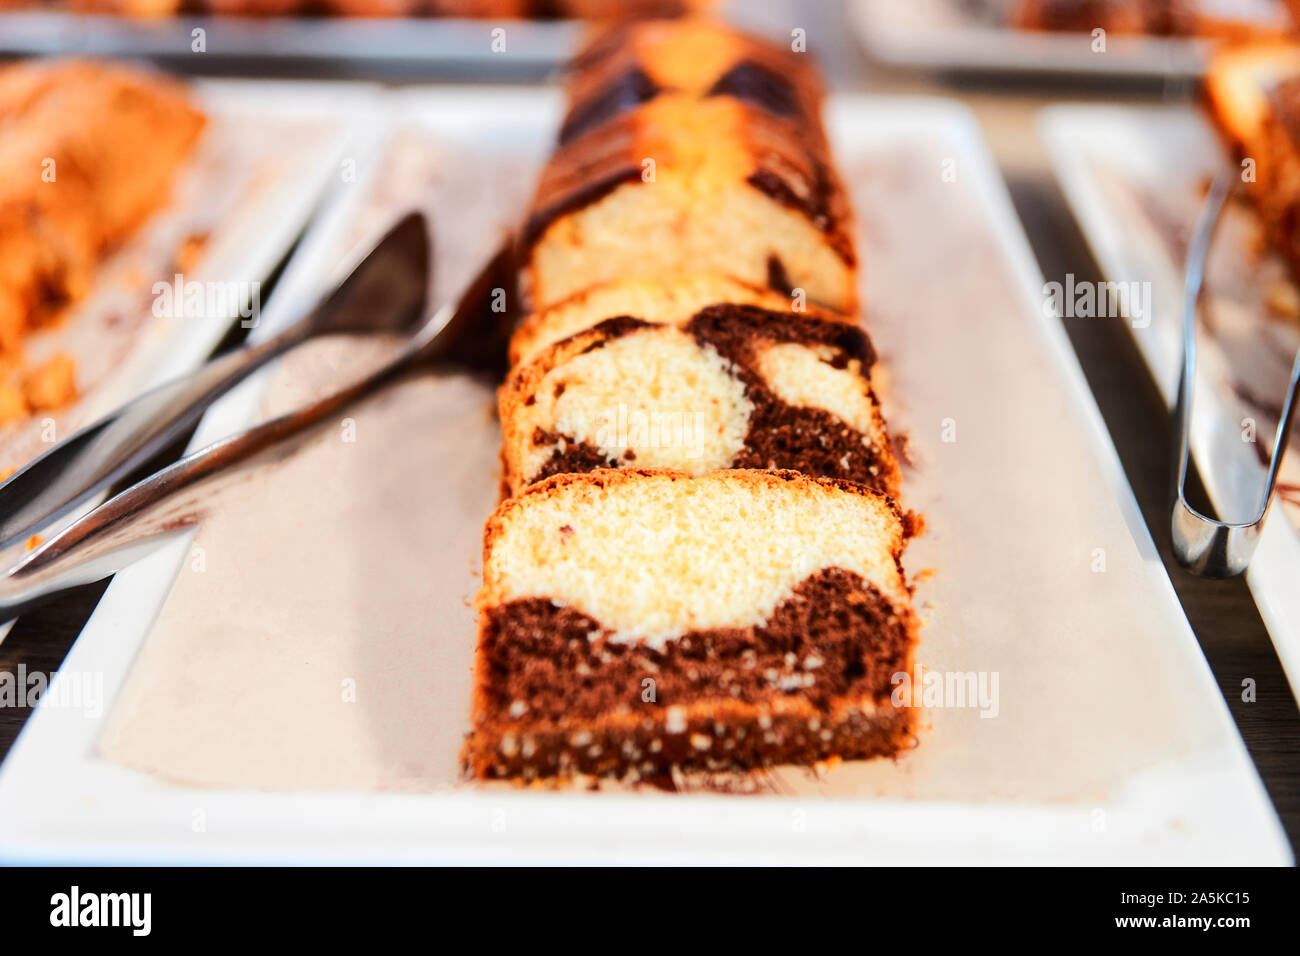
532	47
976	48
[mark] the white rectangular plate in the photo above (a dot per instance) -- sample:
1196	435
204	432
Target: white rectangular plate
1133	178
949	35
1110	743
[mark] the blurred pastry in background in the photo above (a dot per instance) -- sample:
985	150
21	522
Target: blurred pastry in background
1227	19
1253	95
1071	16
88	152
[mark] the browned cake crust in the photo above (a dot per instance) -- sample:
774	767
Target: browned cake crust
557	693
777	434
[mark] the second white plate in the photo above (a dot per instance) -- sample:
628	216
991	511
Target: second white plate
1134	178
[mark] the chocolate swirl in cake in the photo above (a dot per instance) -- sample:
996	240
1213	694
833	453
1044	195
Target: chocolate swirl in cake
779	435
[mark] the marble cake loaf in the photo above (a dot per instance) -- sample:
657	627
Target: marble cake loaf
635	621
714	383
697	561
689	148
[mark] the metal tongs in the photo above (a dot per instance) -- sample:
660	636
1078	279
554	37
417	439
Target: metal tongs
1206	546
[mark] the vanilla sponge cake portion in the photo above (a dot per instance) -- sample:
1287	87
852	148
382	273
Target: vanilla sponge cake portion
682	185
1253	94
622	392
656	301
636	620
733	386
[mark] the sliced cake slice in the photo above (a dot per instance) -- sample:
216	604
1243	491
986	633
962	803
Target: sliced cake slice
626	64
731	386
682	185
634	621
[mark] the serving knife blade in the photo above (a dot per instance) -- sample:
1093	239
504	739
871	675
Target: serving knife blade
385	290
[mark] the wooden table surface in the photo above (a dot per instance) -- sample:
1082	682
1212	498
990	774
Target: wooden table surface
1222	613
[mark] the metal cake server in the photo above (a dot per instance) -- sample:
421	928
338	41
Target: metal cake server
1204	545
471	335
384	291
